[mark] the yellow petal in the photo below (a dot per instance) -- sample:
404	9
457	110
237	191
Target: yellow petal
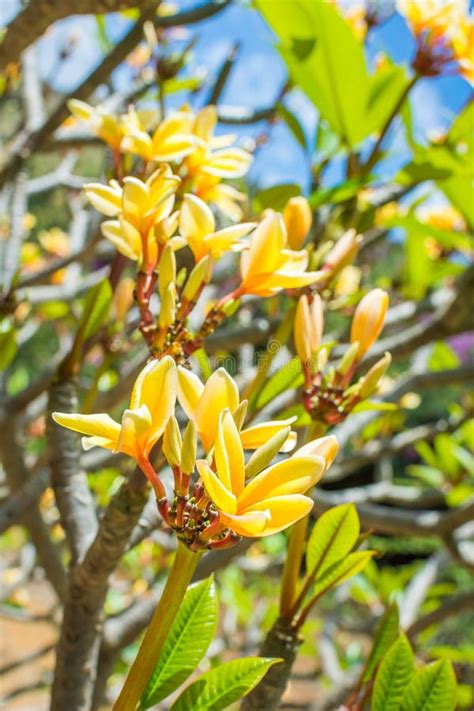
135	197
89	442
325	447
139	143
133	439
100	425
80	109
308	327
229	455
196	219
250	525
113	231
104	198
264	254
220	495
156	388
223	240
291	476
220	392
205	123
190	390
253	437
284	511
228	163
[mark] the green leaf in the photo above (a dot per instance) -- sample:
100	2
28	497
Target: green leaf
289	376
104	41
171	86
386	634
275	197
8	344
334	535
186	644
218	688
385	88
293	124
393	675
341	571
325	59
97	305
432	476
337	194
433	688
442	357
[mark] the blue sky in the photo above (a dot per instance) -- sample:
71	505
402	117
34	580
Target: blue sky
256	78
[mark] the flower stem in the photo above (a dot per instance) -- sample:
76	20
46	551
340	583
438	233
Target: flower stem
179	577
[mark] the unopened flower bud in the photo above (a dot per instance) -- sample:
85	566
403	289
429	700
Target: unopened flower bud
348	359
309	323
298	219
80	109
168	307
201	274
123	298
371	380
343	252
240	413
189	449
368	319
167	270
172	443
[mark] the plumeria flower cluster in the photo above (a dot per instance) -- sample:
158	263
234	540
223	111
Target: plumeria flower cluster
329	393
222	496
444	35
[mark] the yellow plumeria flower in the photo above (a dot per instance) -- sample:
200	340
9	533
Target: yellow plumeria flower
309	324
198	227
368	320
152	404
272	500
204	404
267	266
143	209
172	140
226	198
215	155
107	126
462	42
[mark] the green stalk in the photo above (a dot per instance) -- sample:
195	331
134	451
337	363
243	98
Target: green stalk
179	577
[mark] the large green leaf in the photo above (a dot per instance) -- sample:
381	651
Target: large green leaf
325	59
393	675
96	309
289	376
186	644
385	88
218	688
433	688
332	538
386	634
8	343
340	572
275	197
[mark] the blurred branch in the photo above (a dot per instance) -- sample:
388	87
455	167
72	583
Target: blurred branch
455	605
223	75
17	476
19	502
69	481
34	141
11	248
418	587
78	648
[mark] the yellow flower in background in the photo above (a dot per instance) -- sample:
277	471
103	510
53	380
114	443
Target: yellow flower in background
462	42
298	219
309	324
108	126
55	241
143	209
267	266
204	404
271	501
215	155
443	217
368	320
152	404
172	140
198	227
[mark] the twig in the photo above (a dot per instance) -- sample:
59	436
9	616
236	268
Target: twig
455	605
